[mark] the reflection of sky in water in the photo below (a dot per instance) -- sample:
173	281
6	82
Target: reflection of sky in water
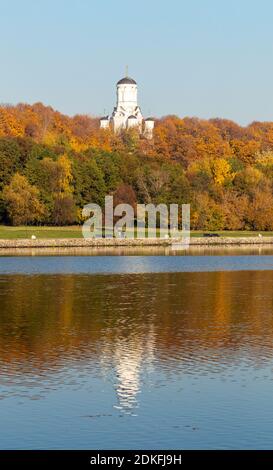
155	360
132	264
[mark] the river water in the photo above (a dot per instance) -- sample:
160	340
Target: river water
136	351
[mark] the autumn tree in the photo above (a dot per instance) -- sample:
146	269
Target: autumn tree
206	214
22	201
260	211
248	180
223	169
125	194
64	210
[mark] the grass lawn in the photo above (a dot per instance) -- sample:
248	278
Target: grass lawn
7	232
227	233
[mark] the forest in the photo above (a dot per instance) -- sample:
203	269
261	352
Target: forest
51	165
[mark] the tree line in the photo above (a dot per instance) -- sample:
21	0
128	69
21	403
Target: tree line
51	165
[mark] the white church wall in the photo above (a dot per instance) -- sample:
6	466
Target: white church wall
127	95
127	106
104	124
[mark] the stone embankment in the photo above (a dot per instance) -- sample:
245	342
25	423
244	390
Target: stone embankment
122	242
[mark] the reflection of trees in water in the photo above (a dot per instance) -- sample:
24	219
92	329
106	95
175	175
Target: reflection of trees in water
47	322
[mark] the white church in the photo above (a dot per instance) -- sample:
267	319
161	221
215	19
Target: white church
127	113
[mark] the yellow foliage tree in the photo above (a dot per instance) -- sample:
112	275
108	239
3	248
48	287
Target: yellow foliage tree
65	174
22	201
221	171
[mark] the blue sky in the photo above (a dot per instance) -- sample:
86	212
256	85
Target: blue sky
204	58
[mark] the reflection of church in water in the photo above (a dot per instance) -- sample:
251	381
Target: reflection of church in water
131	356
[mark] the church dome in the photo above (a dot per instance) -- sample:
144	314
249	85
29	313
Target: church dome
127	81
132	117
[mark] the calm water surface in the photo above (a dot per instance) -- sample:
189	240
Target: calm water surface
136	351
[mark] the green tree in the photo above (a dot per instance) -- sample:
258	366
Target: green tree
88	181
9	159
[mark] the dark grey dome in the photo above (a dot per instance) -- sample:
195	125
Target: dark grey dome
132	117
149	119
126	81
